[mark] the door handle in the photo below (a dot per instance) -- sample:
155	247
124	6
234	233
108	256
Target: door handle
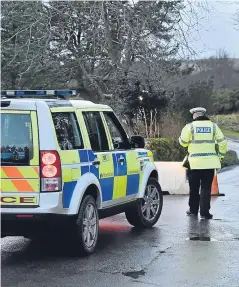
96	162
121	160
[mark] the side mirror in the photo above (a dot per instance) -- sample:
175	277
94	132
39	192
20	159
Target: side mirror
137	142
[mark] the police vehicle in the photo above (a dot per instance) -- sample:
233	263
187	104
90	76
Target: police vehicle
65	164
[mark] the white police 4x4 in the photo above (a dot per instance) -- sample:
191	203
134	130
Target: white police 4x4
67	163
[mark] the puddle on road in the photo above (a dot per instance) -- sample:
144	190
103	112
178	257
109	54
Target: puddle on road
134	274
201	238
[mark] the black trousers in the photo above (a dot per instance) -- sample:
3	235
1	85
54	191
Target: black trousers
200	178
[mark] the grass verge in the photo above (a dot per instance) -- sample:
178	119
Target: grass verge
228	123
230	133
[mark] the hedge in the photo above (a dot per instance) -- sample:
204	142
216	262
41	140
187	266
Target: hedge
231	158
166	149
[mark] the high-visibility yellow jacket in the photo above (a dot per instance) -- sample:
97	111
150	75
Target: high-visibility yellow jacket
201	138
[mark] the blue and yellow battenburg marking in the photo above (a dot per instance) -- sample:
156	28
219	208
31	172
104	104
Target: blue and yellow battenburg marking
119	173
71	175
105	172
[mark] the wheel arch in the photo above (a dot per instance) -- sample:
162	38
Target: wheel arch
88	184
93	190
154	174
150	170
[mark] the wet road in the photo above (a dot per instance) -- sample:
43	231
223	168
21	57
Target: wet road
179	251
168	255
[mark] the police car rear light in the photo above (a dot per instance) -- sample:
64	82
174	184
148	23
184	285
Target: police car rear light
50	164
49	158
50	171
51	184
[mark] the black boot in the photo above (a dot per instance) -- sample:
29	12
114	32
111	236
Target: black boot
190	213
207	216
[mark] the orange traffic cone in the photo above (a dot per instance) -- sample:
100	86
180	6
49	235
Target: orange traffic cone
215	188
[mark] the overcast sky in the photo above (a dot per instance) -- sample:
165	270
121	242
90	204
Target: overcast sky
218	30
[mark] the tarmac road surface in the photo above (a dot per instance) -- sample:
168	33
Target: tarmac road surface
179	252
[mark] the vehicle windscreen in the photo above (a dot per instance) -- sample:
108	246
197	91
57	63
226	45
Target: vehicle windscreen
16	139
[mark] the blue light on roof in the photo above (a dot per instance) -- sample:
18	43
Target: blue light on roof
40	92
20	93
64	92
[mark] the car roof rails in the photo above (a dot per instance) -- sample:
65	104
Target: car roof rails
38	94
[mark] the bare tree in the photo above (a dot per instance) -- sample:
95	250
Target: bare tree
95	44
106	38
25	42
237	19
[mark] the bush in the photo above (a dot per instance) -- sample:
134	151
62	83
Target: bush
226	102
231	158
166	149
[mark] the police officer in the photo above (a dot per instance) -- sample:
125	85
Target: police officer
206	146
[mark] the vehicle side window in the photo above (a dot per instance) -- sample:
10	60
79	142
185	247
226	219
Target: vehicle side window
96	131
118	135
67	131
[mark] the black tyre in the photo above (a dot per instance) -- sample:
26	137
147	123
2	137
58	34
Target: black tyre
146	212
87	226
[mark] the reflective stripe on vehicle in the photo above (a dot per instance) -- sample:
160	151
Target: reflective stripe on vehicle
20	185
19	172
20	179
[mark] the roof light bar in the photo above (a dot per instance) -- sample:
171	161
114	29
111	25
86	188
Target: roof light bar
63	94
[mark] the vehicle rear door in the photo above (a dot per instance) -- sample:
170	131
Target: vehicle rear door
74	157
20	182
